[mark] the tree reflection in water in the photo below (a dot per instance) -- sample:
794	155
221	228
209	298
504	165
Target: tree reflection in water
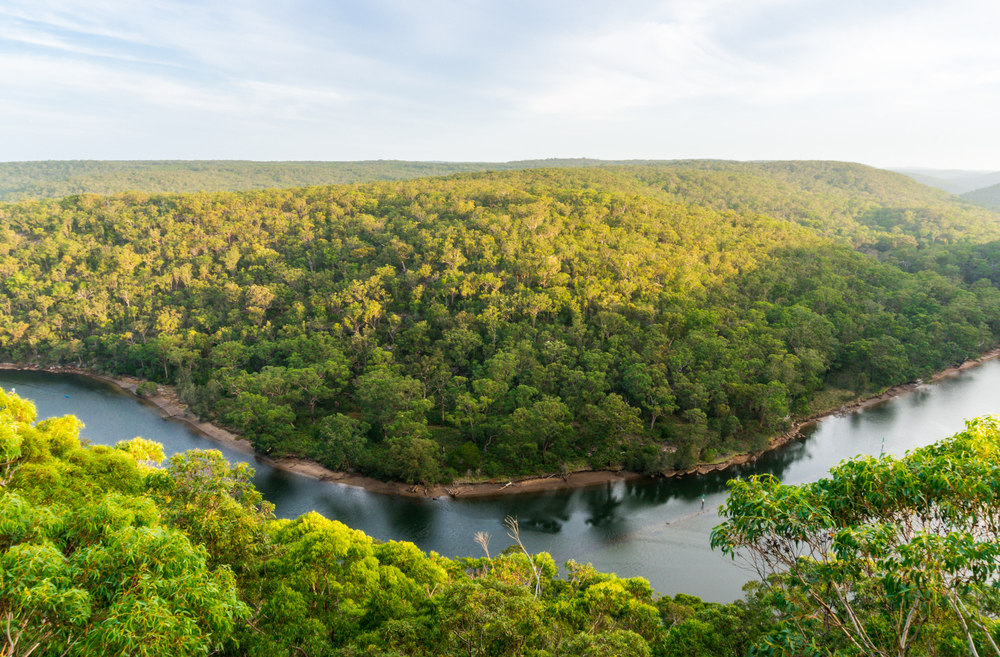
541	525
609	506
657	491
544	513
413	520
777	462
602	506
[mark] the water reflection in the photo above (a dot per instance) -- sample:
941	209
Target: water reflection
778	462
543	513
602	507
656	528
413	521
543	525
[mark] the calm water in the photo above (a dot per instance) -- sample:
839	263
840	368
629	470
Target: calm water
656	528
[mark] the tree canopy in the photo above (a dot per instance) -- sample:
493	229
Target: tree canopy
493	324
87	565
886	556
104	552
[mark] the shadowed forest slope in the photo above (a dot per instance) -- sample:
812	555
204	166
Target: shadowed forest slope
988	197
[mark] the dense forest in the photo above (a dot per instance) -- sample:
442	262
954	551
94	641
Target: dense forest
988	197
872	210
24	180
502	324
105	552
56	179
485	325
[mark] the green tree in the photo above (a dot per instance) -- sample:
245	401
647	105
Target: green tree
886	556
216	504
342	441
414	460
125	587
384	394
546	423
262	422
612	424
488	617
86	565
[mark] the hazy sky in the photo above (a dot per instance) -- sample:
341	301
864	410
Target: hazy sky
888	83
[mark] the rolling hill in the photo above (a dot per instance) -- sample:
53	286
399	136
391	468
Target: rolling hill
987	197
955	181
503	323
55	179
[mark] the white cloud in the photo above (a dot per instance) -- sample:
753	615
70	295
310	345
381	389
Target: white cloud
640	65
478	80
79	80
655	62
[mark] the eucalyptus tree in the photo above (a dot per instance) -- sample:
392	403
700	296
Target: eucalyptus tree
886	556
87	566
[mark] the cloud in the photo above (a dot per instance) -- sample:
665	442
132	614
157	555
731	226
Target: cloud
85	81
691	53
444	79
638	65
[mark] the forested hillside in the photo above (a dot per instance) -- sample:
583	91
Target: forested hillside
987	197
494	324
870	209
24	180
56	179
866	207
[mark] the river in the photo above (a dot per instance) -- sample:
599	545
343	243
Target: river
654	528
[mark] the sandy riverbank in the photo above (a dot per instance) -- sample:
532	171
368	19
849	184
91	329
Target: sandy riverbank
171	406
166	400
478	489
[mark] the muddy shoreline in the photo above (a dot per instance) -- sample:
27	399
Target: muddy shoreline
169	404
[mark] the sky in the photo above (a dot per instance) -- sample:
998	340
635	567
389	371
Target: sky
888	83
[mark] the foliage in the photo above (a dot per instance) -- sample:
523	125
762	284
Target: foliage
886	556
102	552
55	179
87	567
493	324
186	559
554	318
871	209
216	504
